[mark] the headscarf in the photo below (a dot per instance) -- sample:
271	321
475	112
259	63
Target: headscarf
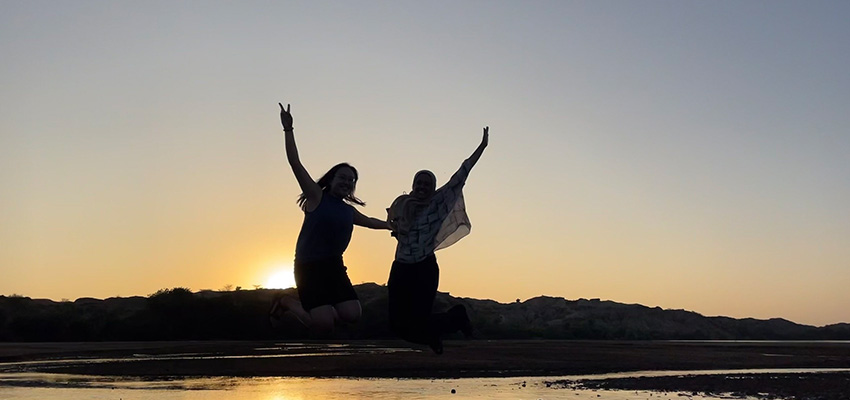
406	209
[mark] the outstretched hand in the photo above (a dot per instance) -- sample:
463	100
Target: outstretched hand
480	149
285	117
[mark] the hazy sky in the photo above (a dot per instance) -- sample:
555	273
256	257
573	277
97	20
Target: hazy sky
688	155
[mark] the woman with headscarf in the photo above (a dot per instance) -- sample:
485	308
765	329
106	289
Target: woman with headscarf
424	221
324	289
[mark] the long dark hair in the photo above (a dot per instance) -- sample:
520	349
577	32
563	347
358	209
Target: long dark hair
325	183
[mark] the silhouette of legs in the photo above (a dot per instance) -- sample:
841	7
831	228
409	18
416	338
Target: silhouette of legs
320	320
287	303
412	289
348	311
325	296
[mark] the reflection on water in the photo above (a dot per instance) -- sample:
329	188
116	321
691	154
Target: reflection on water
285	350
17	382
32	386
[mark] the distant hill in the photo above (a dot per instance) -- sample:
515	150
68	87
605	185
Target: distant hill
179	314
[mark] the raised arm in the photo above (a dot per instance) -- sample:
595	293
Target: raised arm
459	177
312	191
478	151
369	222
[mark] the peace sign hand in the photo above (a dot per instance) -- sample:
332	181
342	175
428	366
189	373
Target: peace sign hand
285	117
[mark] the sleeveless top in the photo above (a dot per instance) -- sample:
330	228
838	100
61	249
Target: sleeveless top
326	230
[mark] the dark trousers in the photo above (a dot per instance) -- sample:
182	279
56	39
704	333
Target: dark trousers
412	289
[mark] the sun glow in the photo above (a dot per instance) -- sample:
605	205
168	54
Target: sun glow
282	278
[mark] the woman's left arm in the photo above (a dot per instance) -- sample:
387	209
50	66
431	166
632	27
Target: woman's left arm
480	150
369	222
459	177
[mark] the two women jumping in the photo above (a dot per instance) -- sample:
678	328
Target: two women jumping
426	220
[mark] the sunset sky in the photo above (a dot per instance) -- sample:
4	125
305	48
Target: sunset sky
681	154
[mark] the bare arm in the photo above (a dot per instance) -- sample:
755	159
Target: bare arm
312	191
480	150
459	177
369	222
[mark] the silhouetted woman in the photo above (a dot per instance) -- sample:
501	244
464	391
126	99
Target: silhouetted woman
324	289
424	221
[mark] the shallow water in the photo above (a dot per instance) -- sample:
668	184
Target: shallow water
32	386
283	350
307	388
17	382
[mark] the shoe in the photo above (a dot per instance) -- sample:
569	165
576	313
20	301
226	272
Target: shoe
287	303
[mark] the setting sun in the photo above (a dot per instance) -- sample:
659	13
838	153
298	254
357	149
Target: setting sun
282	278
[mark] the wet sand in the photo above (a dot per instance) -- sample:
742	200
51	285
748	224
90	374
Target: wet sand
475	358
820	386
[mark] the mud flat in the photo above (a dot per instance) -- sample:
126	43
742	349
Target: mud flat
799	386
475	358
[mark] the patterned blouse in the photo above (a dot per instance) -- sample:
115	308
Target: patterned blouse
422	228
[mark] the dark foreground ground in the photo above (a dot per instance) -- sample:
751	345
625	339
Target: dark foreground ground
475	358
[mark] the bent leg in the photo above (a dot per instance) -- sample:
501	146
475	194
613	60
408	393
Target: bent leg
287	303
349	311
326	294
453	320
322	320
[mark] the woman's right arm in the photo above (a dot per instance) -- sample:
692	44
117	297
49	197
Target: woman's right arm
312	191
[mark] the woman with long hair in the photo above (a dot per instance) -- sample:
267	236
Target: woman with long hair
324	289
